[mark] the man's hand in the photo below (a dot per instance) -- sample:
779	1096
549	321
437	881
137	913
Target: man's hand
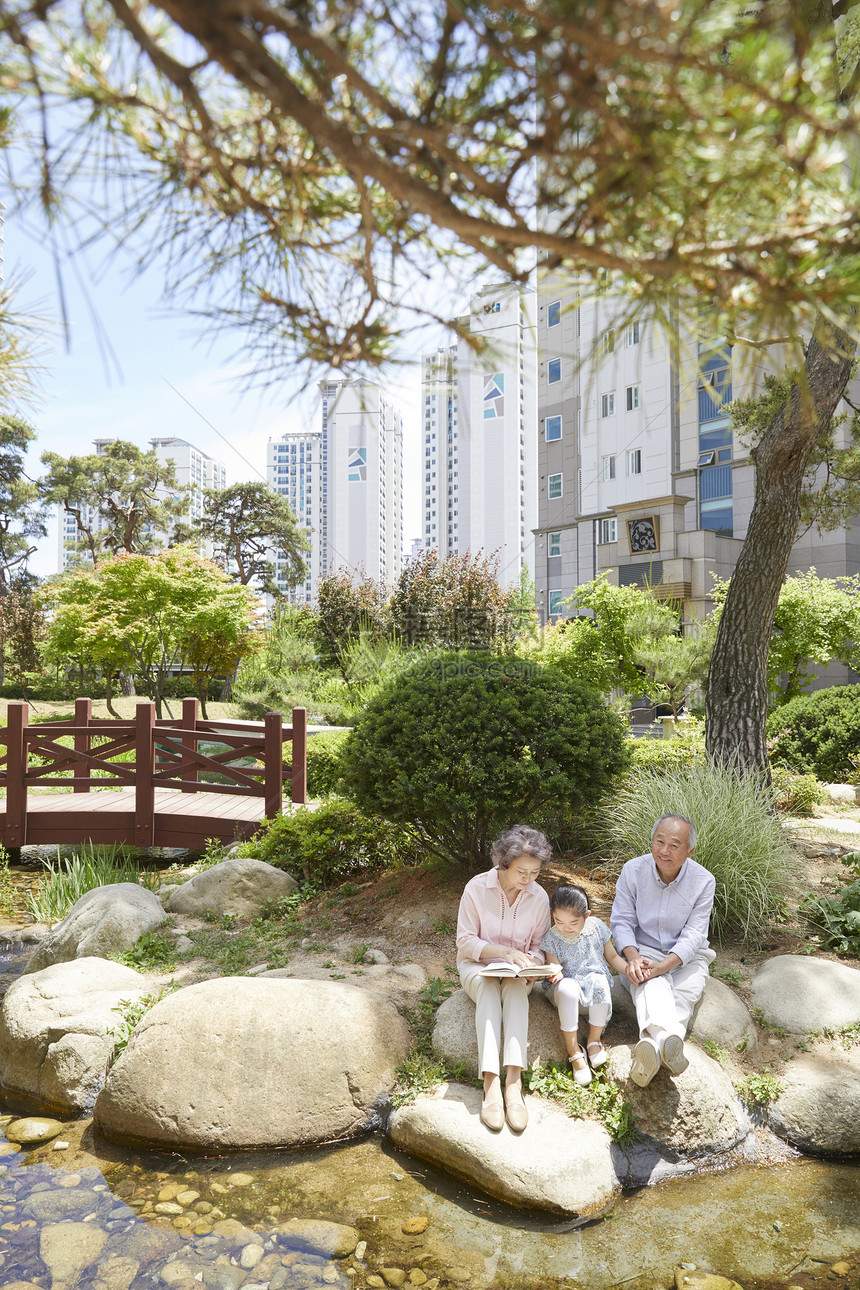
639	970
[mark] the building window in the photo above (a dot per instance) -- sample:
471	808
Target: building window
553	370
609	467
553	428
554	486
553	544
607	341
555	599
632	397
634	462
607	405
553	314
608	532
633	334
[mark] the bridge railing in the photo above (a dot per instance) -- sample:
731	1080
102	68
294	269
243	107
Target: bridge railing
146	754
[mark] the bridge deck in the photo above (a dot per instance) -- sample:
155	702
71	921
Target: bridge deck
181	819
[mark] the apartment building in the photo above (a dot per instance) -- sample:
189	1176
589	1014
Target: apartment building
293	468
478	421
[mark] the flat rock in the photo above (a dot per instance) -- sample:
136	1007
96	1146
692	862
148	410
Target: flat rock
819	1109
68	1249
315	1236
803	995
105	921
239	885
287	1062
455	1040
723	1018
690	1114
33	1129
531	1169
54	1024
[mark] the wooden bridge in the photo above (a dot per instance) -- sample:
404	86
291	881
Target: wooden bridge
186	780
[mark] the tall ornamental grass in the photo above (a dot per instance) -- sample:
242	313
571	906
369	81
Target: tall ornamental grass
741	841
65	882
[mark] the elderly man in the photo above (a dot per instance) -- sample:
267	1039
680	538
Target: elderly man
659	922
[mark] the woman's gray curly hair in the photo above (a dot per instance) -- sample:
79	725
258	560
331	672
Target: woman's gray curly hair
519	841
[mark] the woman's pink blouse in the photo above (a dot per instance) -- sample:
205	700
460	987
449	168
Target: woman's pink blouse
486	918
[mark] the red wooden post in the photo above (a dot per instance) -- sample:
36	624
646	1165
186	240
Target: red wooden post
144	769
300	756
273	761
83	743
189	722
16	770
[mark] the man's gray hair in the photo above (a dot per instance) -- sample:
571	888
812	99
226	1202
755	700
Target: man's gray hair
689	823
519	841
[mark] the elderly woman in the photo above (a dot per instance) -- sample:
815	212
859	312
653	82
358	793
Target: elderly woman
503	914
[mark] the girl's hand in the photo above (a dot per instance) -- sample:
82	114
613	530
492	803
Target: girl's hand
556	977
638	971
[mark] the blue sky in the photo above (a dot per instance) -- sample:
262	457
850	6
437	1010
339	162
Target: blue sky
133	369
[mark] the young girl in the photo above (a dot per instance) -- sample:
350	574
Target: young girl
582	947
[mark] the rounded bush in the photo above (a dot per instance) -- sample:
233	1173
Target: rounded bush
324	773
463	745
818	732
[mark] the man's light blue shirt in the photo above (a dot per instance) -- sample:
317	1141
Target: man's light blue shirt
671	917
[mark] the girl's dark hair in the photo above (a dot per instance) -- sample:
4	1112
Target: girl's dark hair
569	896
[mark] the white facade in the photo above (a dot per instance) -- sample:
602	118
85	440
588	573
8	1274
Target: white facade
479	430
361	507
193	467
293	469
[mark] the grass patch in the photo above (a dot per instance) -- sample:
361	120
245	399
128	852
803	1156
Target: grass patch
741	841
131	1011
8	891
600	1100
730	975
94	866
421	1071
154	951
758	1091
714	1050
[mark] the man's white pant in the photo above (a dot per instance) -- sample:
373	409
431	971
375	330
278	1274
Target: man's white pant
665	1004
501	1009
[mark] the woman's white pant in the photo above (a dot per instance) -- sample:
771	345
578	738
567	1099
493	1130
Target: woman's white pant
501	1011
567	998
665	1004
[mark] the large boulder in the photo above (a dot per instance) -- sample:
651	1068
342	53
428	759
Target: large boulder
556	1164
803	995
105	921
723	1019
819	1107
253	1062
55	1041
692	1114
238	885
455	1040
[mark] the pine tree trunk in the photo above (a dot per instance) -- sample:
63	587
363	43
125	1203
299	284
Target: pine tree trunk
736	707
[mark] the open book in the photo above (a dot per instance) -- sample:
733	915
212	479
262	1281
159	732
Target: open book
500	967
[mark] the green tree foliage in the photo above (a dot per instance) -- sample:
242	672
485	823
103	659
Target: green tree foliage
624	638
22	515
148	614
348	607
464	744
817	621
136	497
818	732
245	524
23	631
455	602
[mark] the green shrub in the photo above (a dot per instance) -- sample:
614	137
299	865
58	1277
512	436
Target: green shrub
741	841
328	844
685	750
463	745
324	773
795	794
818	732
